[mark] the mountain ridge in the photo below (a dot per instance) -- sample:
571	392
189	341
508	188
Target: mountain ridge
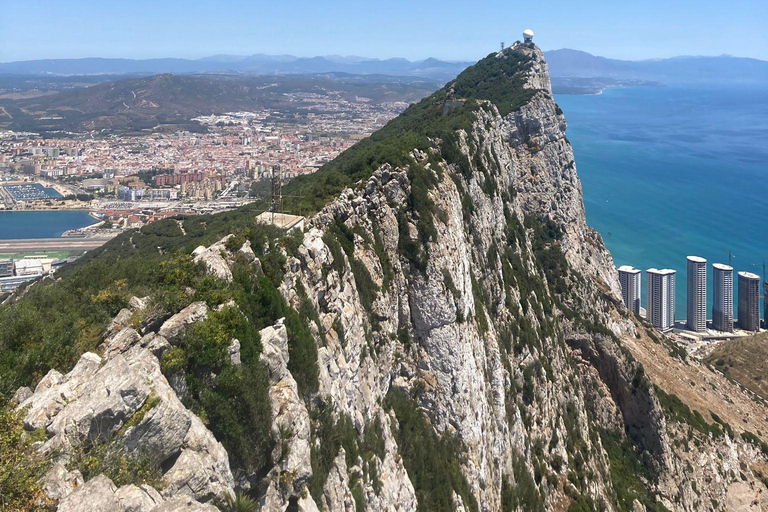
565	62
445	335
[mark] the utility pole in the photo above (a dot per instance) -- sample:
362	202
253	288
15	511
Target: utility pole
277	191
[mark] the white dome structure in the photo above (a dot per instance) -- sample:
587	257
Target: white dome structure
527	35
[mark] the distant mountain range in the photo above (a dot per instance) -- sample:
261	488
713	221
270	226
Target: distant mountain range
228	64
562	63
677	70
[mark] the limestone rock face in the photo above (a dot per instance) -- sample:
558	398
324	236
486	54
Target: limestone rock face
58	482
290	420
175	325
483	301
124	399
513	351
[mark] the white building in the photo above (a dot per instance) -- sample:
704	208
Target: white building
660	298
630	279
722	303
749	301
697	294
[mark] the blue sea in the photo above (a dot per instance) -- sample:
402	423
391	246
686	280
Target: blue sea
45	224
669	172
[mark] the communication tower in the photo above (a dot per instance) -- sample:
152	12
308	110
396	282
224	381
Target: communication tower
277	191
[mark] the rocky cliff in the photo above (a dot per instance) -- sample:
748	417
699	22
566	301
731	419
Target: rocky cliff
452	339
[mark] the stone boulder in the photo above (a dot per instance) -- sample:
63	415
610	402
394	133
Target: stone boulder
174	326
127	401
288	410
55	391
215	259
202	469
58	482
184	504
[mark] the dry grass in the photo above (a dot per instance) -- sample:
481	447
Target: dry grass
699	387
744	360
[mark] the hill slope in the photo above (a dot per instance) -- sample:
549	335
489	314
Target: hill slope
445	335
144	103
743	360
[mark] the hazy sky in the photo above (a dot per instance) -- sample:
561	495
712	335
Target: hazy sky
415	29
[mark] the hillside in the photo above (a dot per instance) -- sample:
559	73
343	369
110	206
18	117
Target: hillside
145	103
444	335
743	360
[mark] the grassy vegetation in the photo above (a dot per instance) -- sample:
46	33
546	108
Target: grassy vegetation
336	432
524	495
411	130
120	467
676	410
628	474
741	360
20	465
55	322
432	461
498	80
756	441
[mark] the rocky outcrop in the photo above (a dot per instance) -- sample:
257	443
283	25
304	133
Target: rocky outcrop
123	399
460	297
101	495
174	326
290	421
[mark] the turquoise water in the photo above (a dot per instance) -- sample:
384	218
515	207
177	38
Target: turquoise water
48	224
669	172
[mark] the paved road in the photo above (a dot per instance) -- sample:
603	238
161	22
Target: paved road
50	244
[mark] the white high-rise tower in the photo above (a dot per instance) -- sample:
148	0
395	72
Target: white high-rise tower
660	298
749	301
722	295
629	277
697	294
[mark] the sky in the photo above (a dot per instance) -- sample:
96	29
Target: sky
414	29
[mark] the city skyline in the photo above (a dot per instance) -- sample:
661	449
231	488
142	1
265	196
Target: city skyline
377	30
660	307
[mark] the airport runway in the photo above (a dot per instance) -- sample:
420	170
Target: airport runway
51	244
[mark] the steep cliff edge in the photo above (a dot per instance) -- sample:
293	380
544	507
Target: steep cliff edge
446	334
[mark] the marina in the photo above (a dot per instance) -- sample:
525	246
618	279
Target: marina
31	192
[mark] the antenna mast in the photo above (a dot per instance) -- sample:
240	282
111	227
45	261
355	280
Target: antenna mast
502	46
277	191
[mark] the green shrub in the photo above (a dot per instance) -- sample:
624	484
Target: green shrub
237	503
20	465
432	461
676	410
122	468
628	473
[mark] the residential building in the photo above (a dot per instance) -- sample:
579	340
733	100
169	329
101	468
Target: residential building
660	298
749	301
765	304
722	297
6	268
629	277
697	294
